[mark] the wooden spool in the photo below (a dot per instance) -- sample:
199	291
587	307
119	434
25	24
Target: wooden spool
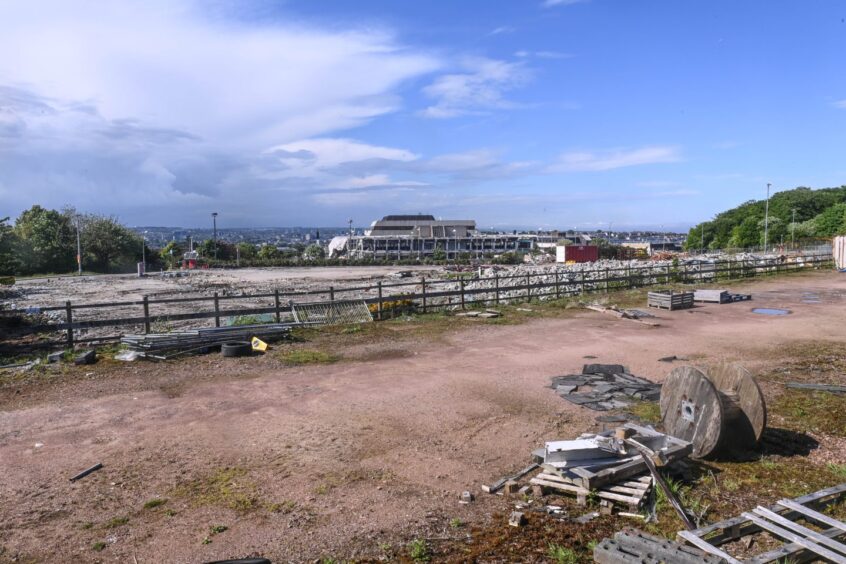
720	410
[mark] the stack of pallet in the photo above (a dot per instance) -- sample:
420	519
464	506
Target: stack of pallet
608	466
631	546
668	299
719	296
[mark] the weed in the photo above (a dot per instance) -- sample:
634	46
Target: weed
455	523
217	529
116	522
307	356
285	507
153	503
647	411
419	550
207	540
562	554
321	489
98	546
87	525
838	470
170	512
227	486
351	329
768	464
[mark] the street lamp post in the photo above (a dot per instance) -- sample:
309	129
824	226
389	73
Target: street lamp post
793	230
767	219
78	249
144	250
214	232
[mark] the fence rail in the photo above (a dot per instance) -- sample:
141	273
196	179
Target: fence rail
426	295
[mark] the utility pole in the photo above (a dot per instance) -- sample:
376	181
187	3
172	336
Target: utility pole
702	239
214	232
144	251
793	230
78	248
767	219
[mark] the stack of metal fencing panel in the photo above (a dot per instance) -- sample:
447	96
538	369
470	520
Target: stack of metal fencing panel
207	337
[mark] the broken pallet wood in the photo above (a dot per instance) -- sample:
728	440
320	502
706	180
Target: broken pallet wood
801	544
498	485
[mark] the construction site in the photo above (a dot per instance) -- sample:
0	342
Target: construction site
608	412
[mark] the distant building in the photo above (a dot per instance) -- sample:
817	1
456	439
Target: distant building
396	237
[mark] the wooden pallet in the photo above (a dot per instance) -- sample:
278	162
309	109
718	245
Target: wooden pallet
631	546
670	300
782	520
629	493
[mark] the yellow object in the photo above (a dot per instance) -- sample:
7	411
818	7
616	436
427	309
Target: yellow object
259	345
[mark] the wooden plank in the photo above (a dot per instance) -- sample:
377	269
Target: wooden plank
797	528
801	541
815	515
496	486
707	547
817	387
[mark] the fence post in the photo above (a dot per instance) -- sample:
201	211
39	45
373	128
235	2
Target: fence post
331	293
557	286
379	303
276	303
528	288
423	284
146	314
606	280
461	287
216	311
69	318
668	275
496	288
581	282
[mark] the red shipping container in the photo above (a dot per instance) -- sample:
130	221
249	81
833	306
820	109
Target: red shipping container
577	253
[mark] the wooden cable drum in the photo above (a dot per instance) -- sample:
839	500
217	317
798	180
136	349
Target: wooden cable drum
720	409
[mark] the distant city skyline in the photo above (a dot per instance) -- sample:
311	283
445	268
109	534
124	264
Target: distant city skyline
583	114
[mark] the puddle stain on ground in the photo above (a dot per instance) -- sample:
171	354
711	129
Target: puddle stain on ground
770	311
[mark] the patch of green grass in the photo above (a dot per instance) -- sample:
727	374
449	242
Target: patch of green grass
116	522
351	329
419	551
647	411
87	525
98	546
217	529
838	470
815	412
562	554
285	507
456	523
228	487
153	503
170	512
299	357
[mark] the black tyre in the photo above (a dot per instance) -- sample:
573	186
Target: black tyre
236	348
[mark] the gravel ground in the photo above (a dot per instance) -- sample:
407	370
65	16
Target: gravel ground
347	460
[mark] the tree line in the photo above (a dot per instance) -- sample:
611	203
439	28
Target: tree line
801	214
44	241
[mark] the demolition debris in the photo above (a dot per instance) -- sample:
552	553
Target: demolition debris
605	386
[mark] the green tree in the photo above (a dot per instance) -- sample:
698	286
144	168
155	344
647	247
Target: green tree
746	234
314	252
268	252
108	245
247	251
9	246
171	254
47	241
438	254
831	221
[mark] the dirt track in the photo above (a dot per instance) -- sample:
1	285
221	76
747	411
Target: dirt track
331	460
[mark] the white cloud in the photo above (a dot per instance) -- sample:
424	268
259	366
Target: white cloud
168	64
607	160
502	29
551	3
841	104
543	54
479	89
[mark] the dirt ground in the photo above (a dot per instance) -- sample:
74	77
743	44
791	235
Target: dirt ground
351	459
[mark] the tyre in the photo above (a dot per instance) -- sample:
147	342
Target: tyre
236	348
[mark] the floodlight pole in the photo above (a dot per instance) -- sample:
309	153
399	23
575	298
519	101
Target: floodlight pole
214	233
78	249
767	220
793	230
144	251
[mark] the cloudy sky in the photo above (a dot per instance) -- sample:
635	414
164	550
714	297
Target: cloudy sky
530	113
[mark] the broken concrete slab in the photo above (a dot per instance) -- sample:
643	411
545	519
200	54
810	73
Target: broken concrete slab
608	369
54	357
87	357
516	519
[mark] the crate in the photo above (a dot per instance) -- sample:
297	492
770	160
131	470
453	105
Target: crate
670	300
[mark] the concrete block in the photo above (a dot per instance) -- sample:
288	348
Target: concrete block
88	357
467	497
511	487
516	519
54	357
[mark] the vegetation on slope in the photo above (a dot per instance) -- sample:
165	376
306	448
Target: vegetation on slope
819	214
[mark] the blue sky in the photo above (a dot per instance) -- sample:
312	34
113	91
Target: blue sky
533	114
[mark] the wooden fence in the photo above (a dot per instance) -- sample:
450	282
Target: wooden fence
421	294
